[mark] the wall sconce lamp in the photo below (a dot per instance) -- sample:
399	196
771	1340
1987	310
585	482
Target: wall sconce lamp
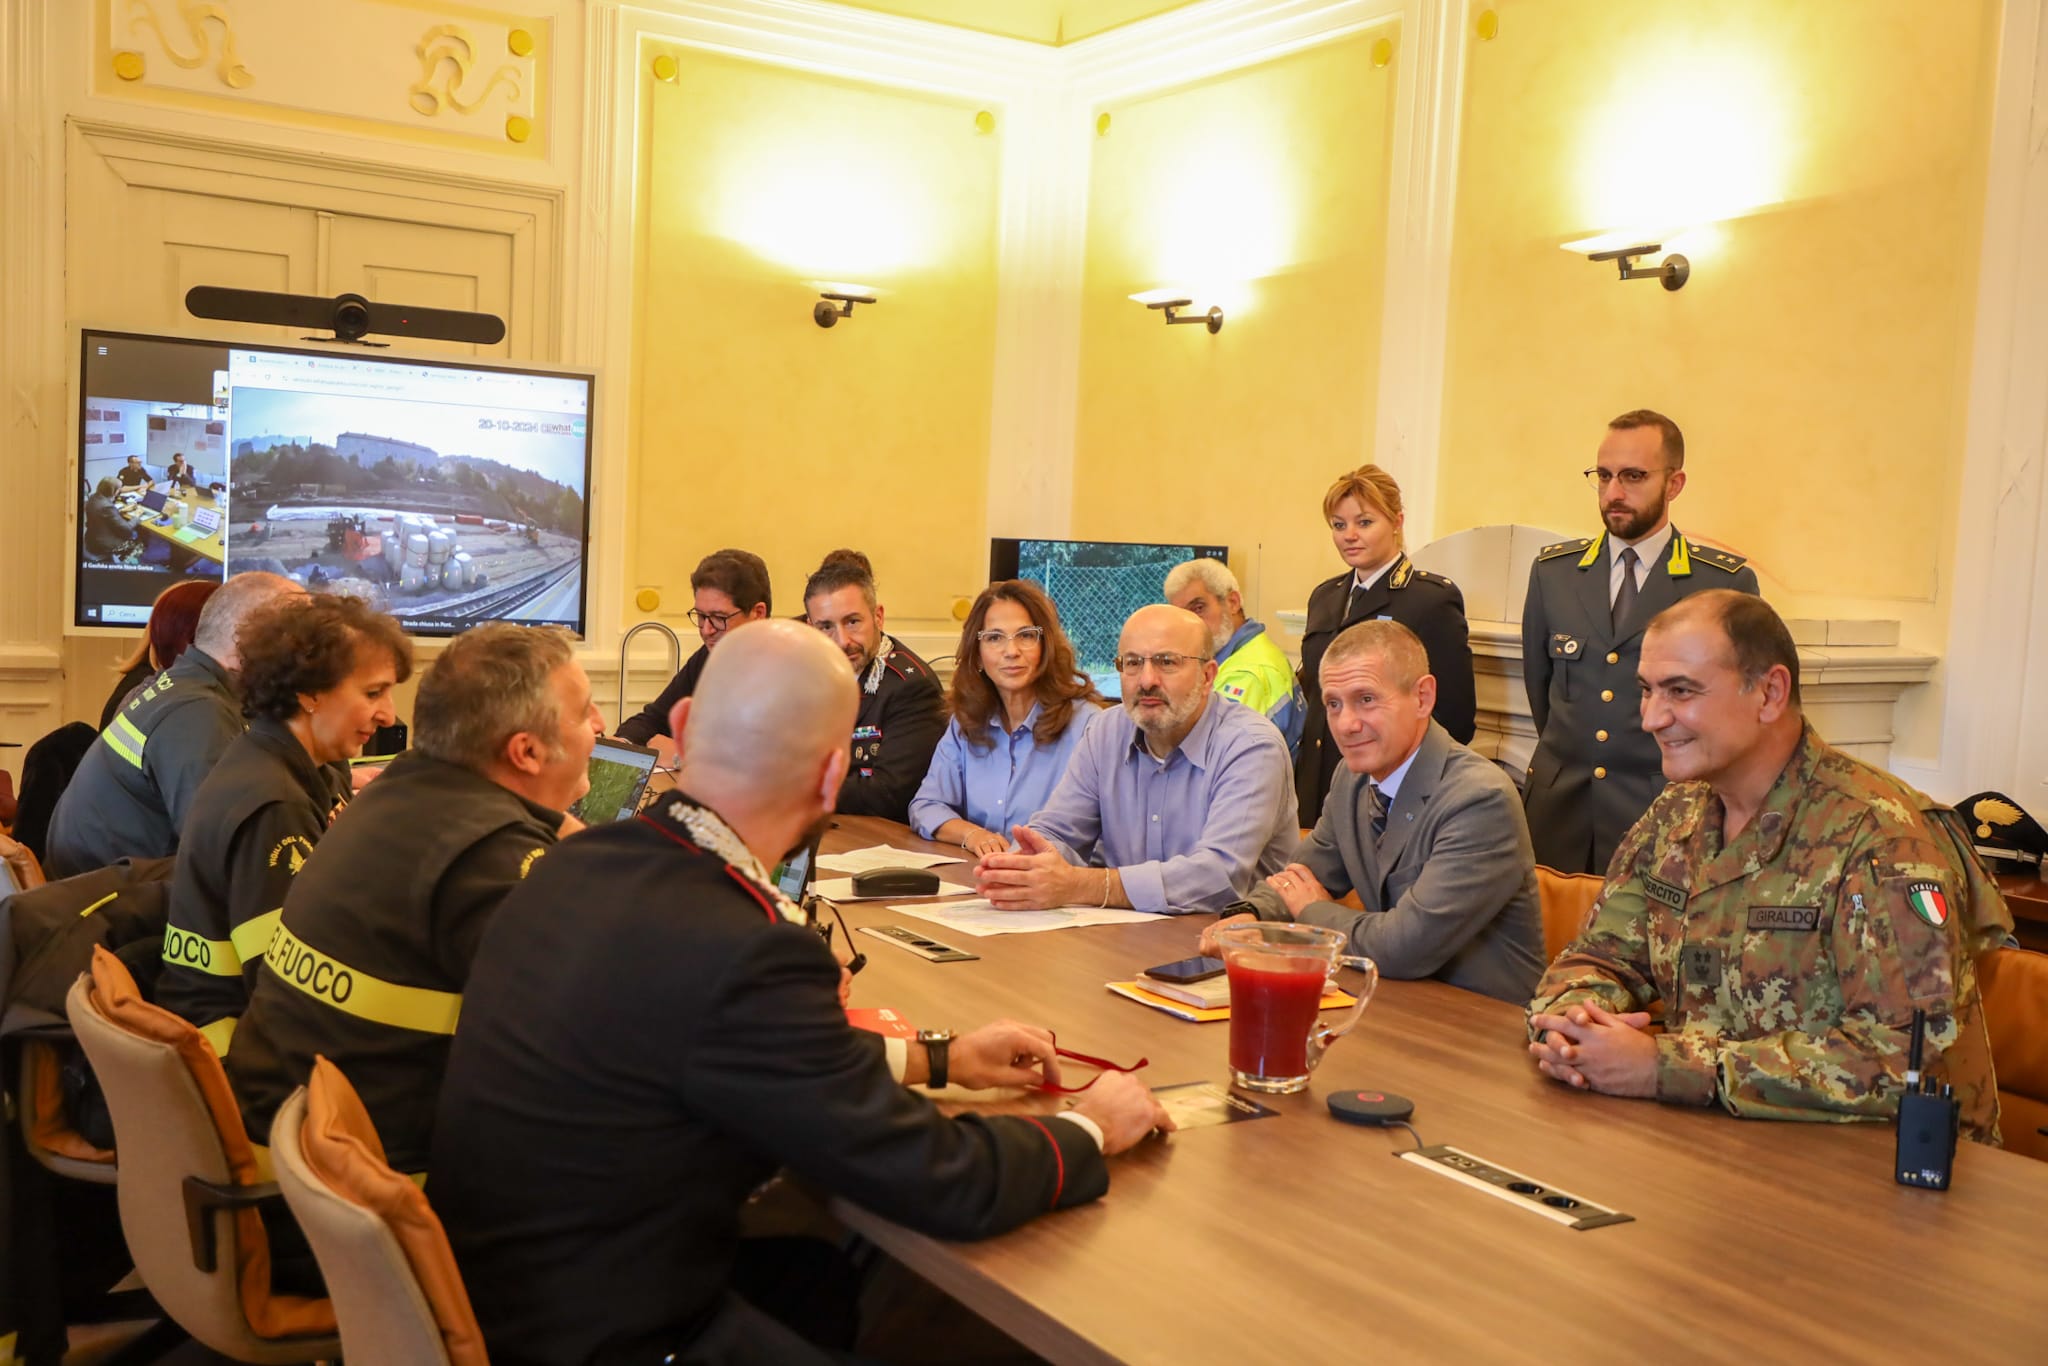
1170	303
837	301
1674	270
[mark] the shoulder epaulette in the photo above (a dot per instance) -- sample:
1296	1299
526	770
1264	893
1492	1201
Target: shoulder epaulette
905	664
1720	559
1552	552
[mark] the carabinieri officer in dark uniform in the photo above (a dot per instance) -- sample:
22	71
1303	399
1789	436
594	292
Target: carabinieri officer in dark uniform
317	678
1364	512
1595	771
371	955
131	793
901	715
647	1037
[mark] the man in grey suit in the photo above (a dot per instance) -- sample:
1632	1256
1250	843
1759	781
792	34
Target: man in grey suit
1429	833
1595	772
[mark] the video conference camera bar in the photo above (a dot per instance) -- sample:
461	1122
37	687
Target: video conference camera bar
351	316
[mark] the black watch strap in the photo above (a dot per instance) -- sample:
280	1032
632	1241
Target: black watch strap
935	1051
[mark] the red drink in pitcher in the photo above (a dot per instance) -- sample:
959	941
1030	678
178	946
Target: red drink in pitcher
1272	1010
1278	972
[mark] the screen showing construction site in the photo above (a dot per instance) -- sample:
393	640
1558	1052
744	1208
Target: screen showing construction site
446	493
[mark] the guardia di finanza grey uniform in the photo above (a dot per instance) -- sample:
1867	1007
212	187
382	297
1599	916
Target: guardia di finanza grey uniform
1428	604
1787	962
372	953
130	795
1595	769
252	826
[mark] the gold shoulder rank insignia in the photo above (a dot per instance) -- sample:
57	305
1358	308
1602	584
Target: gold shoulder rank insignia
1552	552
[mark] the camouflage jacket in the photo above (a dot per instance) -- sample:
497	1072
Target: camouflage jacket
1786	966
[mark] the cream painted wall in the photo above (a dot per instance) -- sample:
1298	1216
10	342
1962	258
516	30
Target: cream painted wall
1059	319
1263	191
757	428
1823	165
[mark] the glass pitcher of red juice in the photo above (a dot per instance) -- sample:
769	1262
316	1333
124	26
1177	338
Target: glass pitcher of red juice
1278	974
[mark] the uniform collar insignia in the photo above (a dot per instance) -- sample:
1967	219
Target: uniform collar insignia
715	837
874	678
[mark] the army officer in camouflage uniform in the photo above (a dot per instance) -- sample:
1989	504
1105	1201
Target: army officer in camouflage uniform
1783	907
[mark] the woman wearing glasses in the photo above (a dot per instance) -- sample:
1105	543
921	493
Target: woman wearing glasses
1019	705
1364	512
731	588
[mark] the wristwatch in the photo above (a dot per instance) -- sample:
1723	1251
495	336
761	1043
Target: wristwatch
935	1043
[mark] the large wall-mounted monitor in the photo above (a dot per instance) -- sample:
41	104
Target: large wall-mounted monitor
446	493
1096	585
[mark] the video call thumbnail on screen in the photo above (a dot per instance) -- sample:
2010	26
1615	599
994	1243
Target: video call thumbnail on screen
443	493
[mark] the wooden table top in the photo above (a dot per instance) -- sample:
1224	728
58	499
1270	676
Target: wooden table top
1301	1238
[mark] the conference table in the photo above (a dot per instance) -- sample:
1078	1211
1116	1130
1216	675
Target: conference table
1302	1238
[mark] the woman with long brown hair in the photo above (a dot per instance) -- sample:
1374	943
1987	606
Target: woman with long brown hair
1019	704
173	619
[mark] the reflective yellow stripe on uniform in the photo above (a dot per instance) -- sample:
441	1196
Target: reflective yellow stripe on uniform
220	1034
252	937
359	994
125	739
82	915
184	949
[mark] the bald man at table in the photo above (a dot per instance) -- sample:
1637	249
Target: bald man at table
648	1034
1180	801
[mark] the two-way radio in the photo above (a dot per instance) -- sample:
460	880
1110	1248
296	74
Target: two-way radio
1929	1121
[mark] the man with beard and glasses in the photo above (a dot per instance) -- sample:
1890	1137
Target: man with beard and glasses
1594	770
1181	801
1250	665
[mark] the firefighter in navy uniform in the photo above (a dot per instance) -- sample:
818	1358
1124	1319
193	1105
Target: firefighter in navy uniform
316	680
1595	771
371	955
131	793
901	714
1363	508
648	1038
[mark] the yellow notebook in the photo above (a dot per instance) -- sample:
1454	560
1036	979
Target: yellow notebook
1180	1010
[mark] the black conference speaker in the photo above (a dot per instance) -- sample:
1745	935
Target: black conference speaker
351	316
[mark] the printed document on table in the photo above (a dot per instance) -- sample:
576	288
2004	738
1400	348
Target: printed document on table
883	856
981	919
841	889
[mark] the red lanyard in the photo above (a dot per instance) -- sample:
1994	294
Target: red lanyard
1103	1063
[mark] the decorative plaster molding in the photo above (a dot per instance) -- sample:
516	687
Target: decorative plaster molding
447	54
475	77
202	22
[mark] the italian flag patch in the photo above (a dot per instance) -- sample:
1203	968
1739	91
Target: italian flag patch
1928	902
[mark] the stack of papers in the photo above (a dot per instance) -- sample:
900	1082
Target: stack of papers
883	856
981	919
